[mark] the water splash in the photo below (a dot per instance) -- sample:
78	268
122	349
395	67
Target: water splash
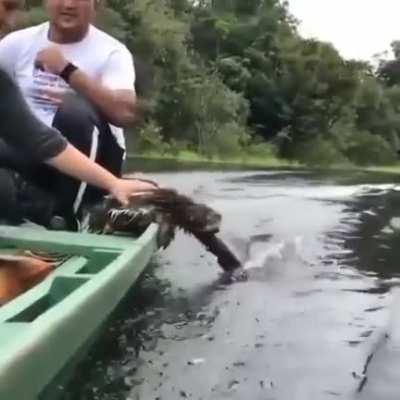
264	258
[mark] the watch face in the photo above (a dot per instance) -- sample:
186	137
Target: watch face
38	65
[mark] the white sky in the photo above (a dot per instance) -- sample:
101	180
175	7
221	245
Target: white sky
357	28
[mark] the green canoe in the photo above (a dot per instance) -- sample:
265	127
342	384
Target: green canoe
42	330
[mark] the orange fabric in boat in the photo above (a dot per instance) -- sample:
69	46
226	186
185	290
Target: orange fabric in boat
20	273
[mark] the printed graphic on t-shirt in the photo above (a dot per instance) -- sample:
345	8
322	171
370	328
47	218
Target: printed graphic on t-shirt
47	91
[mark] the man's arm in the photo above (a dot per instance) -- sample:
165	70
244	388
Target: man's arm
118	106
72	162
114	95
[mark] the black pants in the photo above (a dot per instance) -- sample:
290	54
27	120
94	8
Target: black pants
84	128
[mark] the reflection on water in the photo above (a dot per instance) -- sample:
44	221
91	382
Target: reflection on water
317	318
370	234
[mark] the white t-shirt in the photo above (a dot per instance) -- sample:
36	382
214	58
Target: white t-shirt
99	55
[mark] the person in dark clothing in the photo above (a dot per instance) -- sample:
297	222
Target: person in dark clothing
28	139
81	126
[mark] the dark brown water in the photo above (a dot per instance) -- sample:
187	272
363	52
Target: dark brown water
319	317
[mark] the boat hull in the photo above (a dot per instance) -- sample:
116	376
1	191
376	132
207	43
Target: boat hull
45	328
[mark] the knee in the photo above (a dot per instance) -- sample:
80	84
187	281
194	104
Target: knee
76	117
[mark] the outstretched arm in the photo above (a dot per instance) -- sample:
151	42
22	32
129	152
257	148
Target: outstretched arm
72	162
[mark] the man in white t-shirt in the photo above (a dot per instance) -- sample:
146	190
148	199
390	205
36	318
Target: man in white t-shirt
79	80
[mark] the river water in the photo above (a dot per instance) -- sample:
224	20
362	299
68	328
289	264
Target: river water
318	318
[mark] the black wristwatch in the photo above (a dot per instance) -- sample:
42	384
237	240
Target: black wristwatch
68	71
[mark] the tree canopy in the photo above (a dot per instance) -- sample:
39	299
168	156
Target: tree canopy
225	77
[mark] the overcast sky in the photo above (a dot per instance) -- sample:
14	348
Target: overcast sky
358	28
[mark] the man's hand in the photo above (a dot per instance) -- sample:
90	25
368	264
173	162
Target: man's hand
52	60
124	189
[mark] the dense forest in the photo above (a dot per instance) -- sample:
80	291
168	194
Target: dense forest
234	77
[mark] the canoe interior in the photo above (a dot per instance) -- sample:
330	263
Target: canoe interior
42	330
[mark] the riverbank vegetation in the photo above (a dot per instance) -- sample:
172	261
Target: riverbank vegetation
234	80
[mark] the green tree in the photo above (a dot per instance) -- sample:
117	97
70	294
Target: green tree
215	76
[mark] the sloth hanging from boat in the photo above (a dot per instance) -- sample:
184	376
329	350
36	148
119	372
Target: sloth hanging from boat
171	211
167	208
